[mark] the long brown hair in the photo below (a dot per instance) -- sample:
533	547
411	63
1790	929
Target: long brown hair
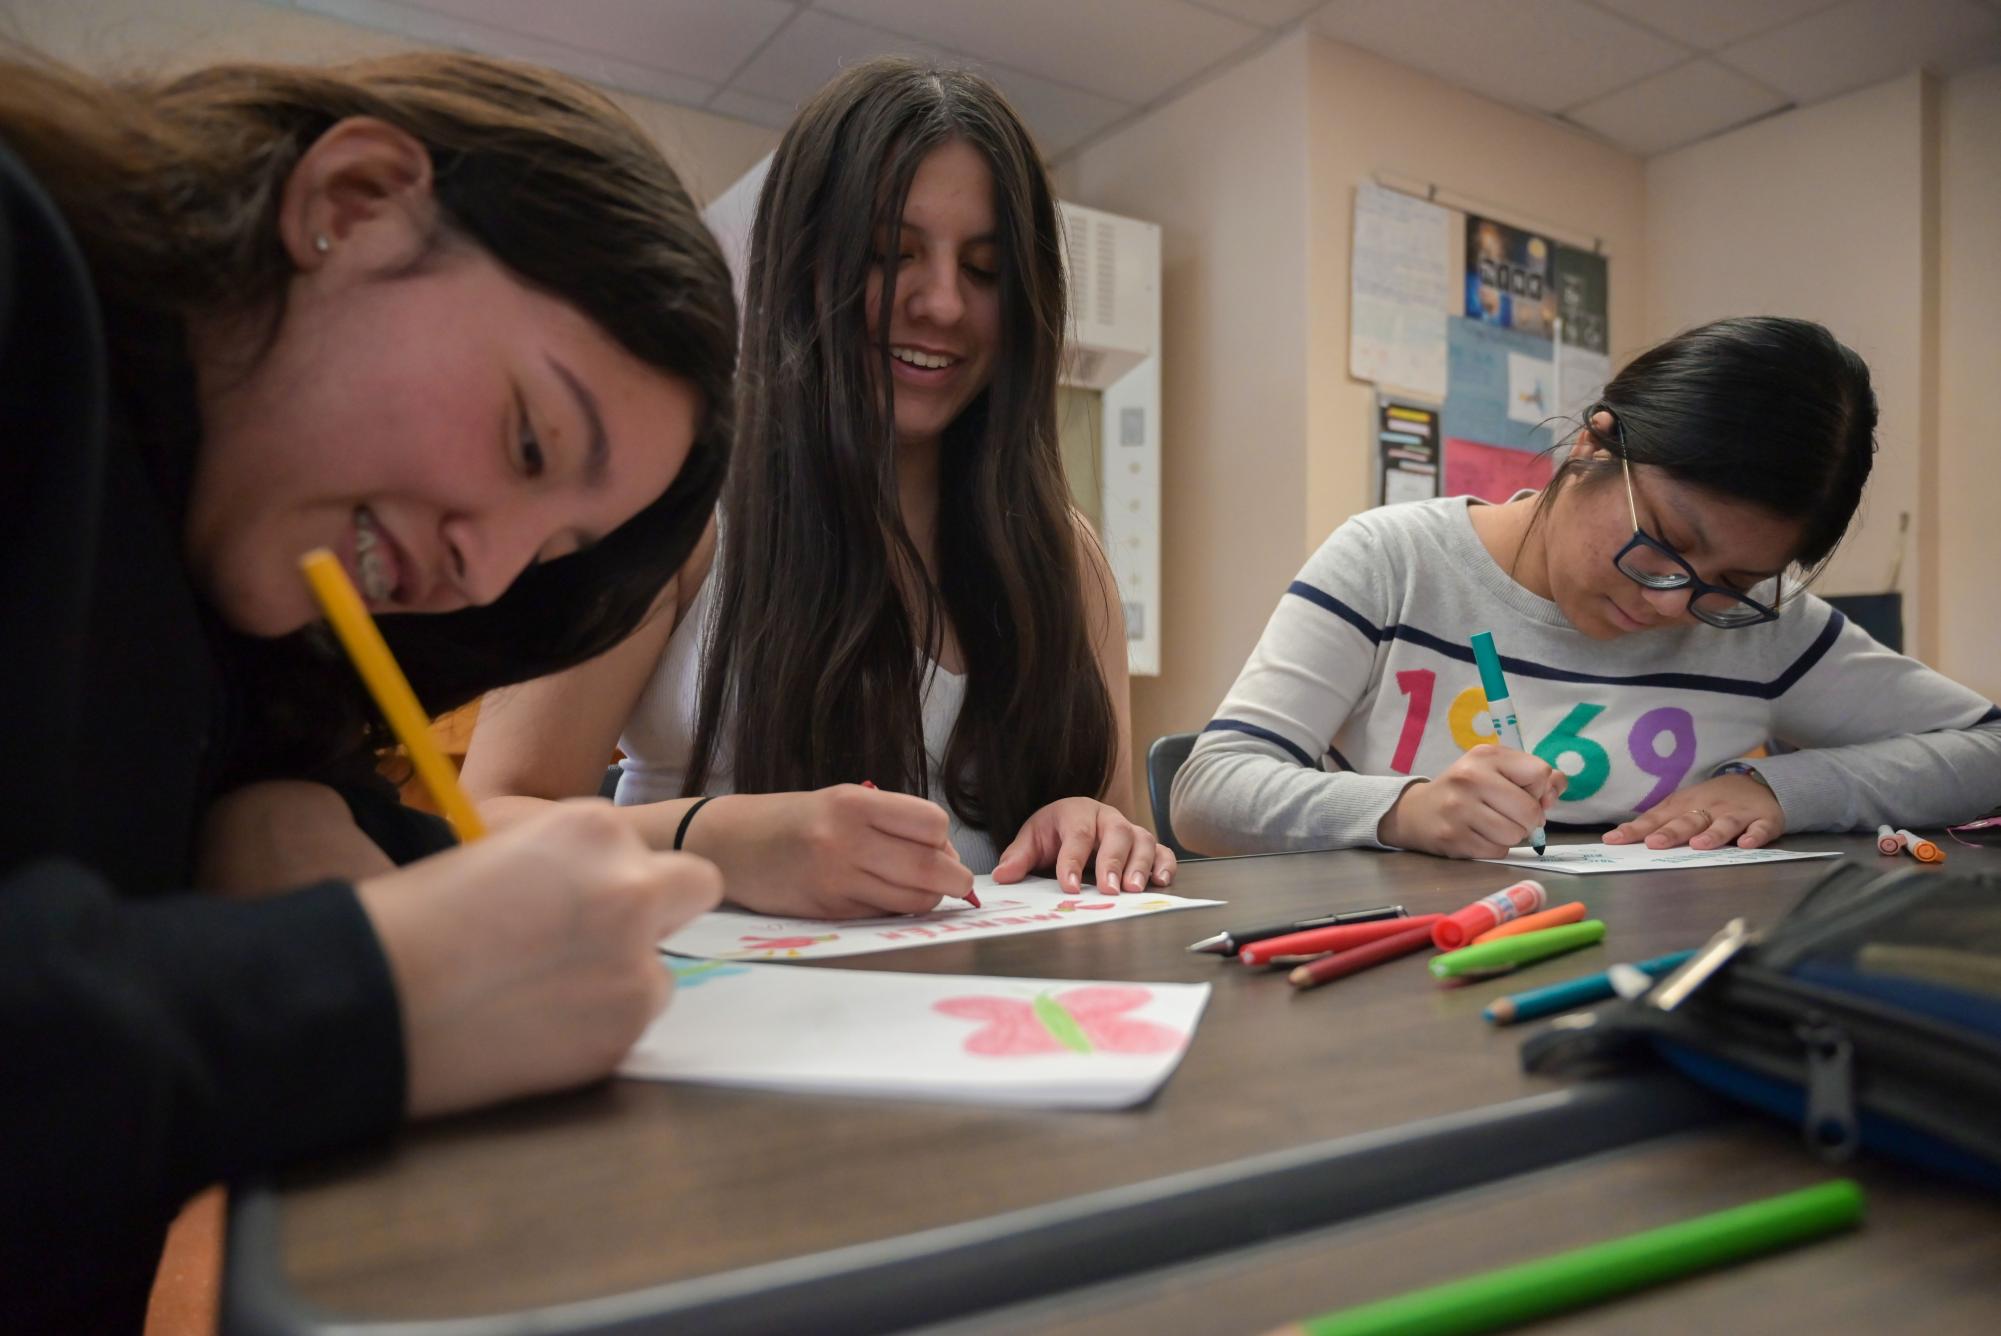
172	187
816	663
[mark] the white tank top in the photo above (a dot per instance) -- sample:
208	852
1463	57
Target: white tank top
659	739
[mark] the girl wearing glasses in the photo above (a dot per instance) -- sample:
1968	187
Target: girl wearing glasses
1649	606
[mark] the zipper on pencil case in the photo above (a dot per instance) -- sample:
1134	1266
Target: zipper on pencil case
1778	1023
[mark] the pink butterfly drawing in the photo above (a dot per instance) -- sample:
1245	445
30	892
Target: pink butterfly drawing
1079	1020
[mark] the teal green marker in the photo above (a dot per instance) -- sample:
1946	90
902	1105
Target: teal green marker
1502	711
1524	948
1517	1294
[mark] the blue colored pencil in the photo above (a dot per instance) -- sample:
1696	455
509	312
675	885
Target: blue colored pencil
1575	993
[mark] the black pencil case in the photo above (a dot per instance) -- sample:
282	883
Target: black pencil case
1870	1016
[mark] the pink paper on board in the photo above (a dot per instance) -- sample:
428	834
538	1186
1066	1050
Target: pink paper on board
1491	472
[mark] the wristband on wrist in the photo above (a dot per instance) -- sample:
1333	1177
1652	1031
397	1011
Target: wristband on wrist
1740	768
681	831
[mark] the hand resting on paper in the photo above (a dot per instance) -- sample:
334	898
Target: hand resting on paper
1480	806
1708	815
528	961
1063	836
834	853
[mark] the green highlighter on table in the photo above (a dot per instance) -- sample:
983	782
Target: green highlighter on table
1502	711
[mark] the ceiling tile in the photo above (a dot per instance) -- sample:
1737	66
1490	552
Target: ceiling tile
1264	13
427	25
771	114
1680	106
708	39
1126	50
1709	24
1060	117
1545	54
1867	41
814	47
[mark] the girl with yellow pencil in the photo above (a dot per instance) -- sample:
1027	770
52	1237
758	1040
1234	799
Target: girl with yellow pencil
455	320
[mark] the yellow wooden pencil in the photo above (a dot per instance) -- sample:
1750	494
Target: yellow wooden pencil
348	616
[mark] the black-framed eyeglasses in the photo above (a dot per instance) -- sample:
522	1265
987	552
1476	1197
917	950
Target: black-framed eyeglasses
1652	564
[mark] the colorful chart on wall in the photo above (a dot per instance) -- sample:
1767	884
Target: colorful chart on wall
1501	388
1035	905
1042	1043
1583	859
1489	472
1510	280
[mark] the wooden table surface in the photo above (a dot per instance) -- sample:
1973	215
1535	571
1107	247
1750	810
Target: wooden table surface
632	1184
1926	1259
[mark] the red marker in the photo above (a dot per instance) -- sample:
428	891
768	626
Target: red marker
972	897
1524	897
1343	963
1340	937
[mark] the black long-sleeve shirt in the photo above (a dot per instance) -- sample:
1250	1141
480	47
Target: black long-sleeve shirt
152	1041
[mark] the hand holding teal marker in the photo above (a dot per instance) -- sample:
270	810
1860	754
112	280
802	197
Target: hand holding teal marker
1502	711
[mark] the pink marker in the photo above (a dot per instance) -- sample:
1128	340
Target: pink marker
1455	930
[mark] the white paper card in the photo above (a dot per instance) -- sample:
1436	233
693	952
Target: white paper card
1587	858
1043	1043
1034	905
1401	286
1531	389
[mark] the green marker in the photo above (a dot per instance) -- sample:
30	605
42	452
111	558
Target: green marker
1524	948
1501	711
1548	1285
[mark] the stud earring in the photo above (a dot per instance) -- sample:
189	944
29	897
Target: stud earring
321	244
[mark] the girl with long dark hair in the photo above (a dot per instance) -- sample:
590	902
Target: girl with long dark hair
1650	609
456	320
900	590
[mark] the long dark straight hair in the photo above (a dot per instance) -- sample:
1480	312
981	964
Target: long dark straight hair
816	662
1767	409
172	187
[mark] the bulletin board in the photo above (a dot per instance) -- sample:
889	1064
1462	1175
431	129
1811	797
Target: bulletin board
1488	335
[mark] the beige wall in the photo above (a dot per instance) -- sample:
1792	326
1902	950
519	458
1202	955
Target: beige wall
1822	213
1223	170
1368	115
710	152
1265	443
1968	531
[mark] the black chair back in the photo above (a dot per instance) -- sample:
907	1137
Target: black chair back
1163	758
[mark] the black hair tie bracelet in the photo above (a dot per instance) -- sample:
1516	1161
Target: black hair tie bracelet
681	831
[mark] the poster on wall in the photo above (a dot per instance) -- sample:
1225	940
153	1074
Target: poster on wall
1491	472
1407	451
1510	281
1582	302
1500	386
1400	291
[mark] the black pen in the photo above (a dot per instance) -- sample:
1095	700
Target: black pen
1226	943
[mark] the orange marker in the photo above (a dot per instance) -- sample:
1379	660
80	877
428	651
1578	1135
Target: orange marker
1921	849
1549	918
1889	842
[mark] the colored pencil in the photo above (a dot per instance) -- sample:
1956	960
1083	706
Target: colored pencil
1343	963
1567	1280
1539	1002
369	652
1341	937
